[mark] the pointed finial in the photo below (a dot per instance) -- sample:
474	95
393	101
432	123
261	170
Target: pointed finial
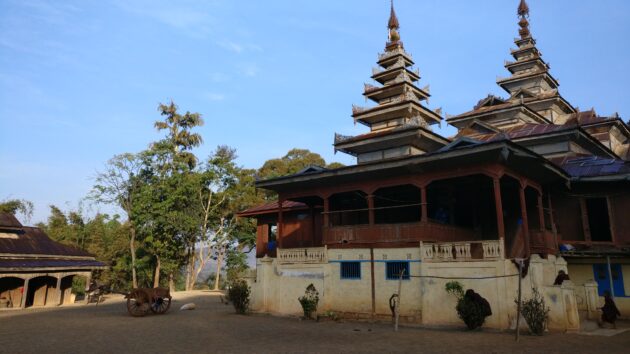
393	20
523	12
523	9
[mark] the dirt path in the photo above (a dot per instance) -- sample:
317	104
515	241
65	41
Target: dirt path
214	328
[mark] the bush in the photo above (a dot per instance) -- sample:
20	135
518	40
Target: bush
535	313
471	307
309	301
239	296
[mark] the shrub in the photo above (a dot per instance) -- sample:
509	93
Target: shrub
239	296
535	313
309	301
471	307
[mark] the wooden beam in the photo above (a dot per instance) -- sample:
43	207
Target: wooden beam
370	200
498	204
521	193
423	196
280	222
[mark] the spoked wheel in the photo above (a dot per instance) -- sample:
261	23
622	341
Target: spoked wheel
137	309
161	305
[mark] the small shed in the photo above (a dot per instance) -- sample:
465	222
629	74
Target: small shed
37	271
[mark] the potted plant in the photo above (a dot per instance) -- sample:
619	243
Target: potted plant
309	301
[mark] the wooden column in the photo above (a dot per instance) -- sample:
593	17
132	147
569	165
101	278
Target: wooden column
88	281
541	212
370	200
280	223
24	293
498	204
423	201
326	211
521	193
58	301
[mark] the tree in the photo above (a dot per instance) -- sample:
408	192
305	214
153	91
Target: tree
166	196
118	185
14	206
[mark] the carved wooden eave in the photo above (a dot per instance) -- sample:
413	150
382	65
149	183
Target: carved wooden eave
537	61
386	112
391	73
515	157
576	135
518	78
416	136
378	93
520	111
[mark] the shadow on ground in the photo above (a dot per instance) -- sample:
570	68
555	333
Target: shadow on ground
214	328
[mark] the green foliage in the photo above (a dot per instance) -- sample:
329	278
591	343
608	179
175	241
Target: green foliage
14	206
309	301
236	265
471	313
535	312
239	296
455	288
78	285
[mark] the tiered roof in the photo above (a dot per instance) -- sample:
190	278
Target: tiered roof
534	96
400	120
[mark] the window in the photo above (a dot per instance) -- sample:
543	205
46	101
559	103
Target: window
603	280
393	269
598	220
350	270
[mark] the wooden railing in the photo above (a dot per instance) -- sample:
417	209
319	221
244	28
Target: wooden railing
461	251
311	255
384	233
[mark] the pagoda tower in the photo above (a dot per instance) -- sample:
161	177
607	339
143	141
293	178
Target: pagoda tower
399	123
534	96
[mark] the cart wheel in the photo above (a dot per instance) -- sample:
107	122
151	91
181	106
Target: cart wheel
161	305
136	309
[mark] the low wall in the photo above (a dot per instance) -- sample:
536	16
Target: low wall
277	287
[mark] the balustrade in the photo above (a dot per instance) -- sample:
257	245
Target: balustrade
311	255
461	251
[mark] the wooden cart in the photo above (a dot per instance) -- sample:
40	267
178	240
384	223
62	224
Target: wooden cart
142	300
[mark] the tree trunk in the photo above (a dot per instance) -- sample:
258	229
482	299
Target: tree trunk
171	282
156	278
218	276
132	249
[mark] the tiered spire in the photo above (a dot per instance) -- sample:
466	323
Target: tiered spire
529	71
534	96
399	105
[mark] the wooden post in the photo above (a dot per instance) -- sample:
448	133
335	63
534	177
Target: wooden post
518	304
24	293
541	212
423	196
280	223
397	308
370	200
498	204
610	279
373	281
326	210
521	193
59	289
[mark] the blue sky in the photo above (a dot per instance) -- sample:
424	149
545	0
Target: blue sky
80	81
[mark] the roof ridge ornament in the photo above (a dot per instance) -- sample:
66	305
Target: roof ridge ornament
523	13
393	25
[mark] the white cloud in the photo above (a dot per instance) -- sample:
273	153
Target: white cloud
248	69
213	96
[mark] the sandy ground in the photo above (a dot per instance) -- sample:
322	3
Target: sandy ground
214	328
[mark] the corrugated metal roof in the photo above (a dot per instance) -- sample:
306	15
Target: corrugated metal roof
521	131
9	221
33	241
272	207
49	263
593	166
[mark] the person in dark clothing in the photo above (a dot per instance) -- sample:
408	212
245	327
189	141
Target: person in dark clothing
610	312
477	299
562	276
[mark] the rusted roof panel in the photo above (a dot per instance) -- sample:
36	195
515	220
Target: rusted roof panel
9	221
33	241
49	263
272	207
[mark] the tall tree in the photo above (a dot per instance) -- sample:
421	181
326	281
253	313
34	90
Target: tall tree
118	185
